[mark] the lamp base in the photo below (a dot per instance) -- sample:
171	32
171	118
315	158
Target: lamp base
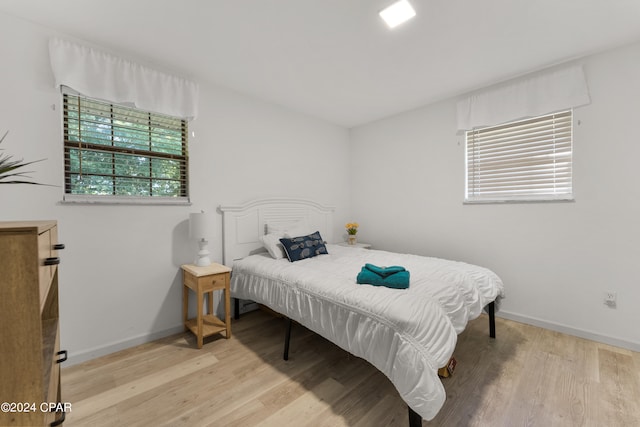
203	259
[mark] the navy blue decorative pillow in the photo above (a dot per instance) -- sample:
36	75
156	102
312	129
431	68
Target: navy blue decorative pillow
304	247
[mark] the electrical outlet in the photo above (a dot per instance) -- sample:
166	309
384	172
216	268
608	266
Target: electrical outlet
610	299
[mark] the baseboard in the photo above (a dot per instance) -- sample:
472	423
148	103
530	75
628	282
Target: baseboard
605	339
79	357
83	356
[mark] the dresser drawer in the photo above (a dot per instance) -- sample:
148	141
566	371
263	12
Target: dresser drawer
44	252
208	283
54	380
29	371
47	260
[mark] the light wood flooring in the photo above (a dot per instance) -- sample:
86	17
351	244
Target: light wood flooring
528	376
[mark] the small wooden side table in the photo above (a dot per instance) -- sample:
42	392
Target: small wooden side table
205	280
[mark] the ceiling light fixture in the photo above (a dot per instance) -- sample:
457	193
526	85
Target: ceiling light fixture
397	13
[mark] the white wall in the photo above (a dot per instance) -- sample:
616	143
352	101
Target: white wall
120	281
556	259
120	275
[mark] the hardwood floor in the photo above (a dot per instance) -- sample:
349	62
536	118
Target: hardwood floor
528	376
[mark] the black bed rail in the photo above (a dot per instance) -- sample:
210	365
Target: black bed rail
415	420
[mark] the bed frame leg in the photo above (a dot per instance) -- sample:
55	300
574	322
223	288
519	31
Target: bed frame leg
415	420
492	319
287	339
236	308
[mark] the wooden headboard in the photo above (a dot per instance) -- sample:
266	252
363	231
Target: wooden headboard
242	225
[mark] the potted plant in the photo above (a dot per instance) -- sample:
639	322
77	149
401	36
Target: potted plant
10	169
352	230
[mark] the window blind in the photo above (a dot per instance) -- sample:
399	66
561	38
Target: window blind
113	150
523	160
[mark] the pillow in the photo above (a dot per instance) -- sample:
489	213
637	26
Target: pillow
303	247
272	244
271	240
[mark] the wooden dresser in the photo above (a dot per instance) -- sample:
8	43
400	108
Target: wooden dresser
30	353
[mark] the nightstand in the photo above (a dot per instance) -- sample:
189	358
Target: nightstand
205	280
357	245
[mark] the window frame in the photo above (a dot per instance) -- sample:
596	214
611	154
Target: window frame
550	196
68	145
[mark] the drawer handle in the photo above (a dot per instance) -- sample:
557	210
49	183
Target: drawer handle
52	261
62	353
58	246
59	421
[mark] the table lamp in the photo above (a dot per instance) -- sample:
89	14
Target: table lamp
200	227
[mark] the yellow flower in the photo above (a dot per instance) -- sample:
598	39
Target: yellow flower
352	227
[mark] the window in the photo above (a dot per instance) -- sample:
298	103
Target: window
116	153
526	160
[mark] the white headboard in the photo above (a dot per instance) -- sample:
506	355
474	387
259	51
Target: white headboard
242	225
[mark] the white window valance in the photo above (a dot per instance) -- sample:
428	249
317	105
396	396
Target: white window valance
532	96
97	74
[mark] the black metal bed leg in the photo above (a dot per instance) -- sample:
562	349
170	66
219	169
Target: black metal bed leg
492	319
287	339
236	308
415	420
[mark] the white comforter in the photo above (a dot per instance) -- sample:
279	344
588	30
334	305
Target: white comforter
407	334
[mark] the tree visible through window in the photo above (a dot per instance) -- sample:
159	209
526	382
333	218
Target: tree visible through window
113	150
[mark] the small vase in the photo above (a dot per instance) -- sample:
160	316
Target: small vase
351	239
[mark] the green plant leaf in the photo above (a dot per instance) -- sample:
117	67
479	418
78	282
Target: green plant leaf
9	168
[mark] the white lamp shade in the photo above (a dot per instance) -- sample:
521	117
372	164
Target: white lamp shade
200	225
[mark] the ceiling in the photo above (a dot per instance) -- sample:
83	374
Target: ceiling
335	59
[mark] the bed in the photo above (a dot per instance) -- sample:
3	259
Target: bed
405	333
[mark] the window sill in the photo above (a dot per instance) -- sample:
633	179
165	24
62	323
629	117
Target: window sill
81	199
569	199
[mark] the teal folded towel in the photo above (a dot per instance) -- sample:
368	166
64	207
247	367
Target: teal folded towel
384	271
395	277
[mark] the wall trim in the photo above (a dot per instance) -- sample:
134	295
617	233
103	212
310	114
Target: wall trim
581	333
95	352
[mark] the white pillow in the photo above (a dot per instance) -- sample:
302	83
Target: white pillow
272	244
275	232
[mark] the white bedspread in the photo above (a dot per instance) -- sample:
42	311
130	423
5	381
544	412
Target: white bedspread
407	334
